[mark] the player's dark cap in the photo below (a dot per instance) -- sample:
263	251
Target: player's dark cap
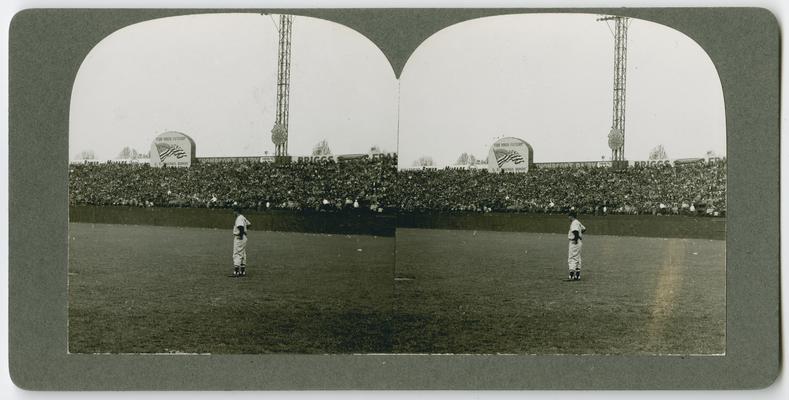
237	208
572	213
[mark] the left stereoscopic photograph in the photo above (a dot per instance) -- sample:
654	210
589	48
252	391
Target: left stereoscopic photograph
230	184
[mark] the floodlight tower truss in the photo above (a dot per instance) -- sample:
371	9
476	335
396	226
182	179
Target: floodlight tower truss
620	80
283	81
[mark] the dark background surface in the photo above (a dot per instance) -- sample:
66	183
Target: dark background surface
46	48
665	226
366	223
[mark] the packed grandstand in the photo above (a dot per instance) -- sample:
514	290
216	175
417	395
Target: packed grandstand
376	185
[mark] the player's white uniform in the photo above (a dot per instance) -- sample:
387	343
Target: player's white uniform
574	253
239	243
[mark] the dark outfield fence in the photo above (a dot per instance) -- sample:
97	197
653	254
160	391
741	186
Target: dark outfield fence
366	223
669	226
363	223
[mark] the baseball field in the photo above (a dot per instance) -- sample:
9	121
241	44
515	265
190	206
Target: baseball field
157	289
475	292
149	289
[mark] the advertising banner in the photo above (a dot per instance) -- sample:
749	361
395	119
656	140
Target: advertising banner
510	154
172	149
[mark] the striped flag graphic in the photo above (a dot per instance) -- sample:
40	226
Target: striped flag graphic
166	150
504	156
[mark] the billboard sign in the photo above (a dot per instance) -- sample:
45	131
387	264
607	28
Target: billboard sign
667	163
510	154
344	157
172	149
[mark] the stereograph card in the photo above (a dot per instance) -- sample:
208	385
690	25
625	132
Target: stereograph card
393	198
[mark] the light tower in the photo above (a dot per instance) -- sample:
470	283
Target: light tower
279	134
616	137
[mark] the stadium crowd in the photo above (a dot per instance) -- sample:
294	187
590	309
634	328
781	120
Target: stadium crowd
664	189
319	185
376	185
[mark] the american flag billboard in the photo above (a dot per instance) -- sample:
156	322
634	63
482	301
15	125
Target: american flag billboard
172	149
510	154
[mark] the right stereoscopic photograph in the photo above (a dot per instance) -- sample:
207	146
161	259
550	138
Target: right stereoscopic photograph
562	190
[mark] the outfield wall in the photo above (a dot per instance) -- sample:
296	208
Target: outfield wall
670	226
363	223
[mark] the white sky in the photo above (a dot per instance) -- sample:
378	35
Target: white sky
213	77
548	79
545	78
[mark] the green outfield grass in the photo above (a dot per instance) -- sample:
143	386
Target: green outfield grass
503	292
145	289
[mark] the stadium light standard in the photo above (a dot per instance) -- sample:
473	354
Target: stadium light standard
616	137
279	133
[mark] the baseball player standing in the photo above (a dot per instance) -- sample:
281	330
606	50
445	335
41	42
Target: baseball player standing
576	243
240	228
